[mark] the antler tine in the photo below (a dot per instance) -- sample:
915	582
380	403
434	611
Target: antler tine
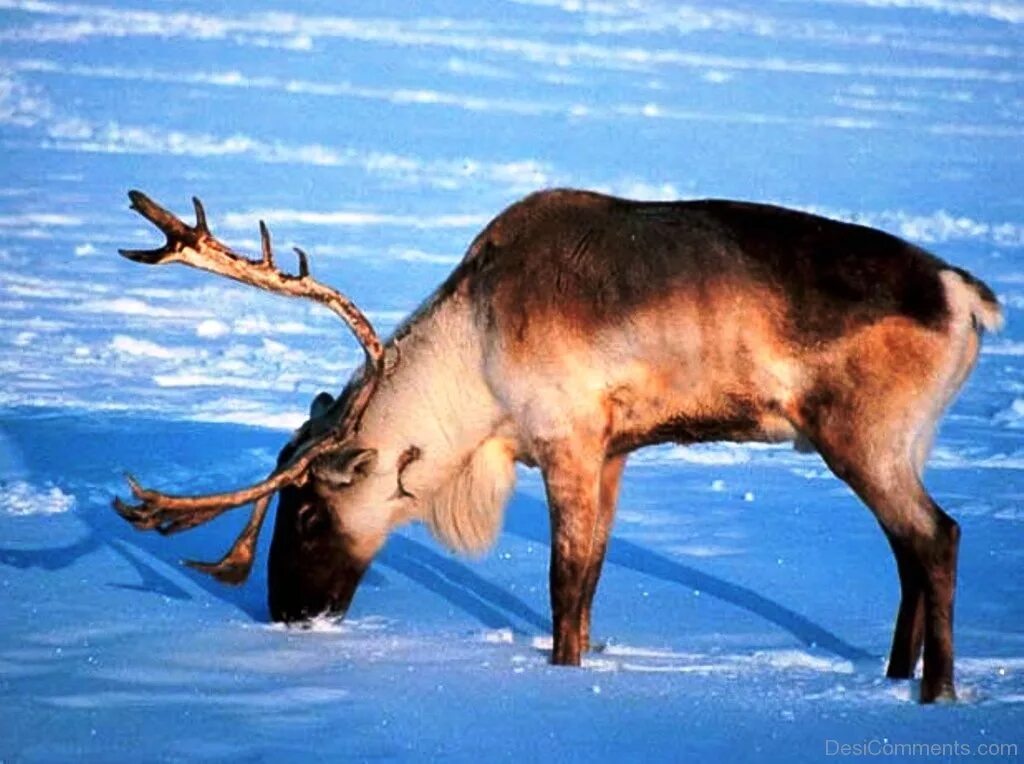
265	248
176	231
201	225
234	567
303	263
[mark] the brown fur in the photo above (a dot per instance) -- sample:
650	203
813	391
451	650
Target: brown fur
591	259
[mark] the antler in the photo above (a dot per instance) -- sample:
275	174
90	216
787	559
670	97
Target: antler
197	247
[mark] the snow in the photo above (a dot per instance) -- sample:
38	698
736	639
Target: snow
132	346
1013	416
211	328
21	498
746	606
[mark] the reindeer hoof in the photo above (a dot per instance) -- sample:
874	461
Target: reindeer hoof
899	672
937	692
566	651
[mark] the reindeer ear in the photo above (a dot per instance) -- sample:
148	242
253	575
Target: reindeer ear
320	405
345	467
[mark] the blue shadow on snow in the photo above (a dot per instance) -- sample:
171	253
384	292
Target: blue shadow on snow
93	449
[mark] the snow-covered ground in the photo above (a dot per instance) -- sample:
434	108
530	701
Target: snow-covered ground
748	602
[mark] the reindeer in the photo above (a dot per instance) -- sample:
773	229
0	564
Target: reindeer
578	328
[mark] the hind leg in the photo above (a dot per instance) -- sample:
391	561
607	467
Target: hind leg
926	556
925	541
908	636
871	412
876	458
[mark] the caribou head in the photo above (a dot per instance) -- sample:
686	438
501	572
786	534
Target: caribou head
316	561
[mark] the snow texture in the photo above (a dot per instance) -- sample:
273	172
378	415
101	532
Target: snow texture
747	604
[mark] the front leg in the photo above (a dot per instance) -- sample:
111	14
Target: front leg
611	478
572	476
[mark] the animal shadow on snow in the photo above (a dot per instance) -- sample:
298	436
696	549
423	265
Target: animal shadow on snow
86	454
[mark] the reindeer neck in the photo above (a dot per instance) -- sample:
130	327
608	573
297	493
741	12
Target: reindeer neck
435	398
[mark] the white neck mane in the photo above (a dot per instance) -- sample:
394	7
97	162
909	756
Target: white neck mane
438	401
